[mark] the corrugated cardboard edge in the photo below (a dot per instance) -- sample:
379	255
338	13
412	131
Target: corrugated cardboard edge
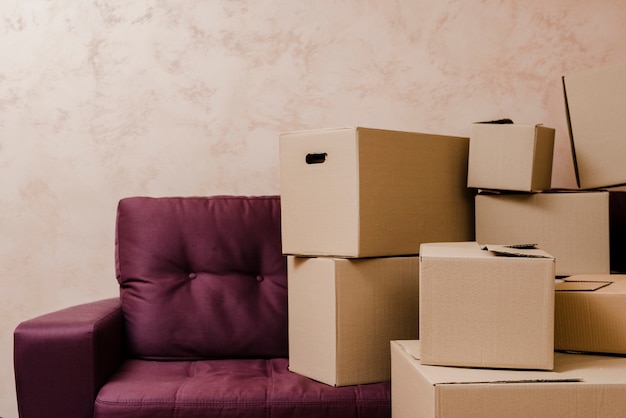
308	131
543	158
516	250
411	348
580	285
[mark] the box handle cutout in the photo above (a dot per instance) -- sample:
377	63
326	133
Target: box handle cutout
317	158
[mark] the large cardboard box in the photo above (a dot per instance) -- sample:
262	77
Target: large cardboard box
510	157
580	386
571	226
590	314
344	312
359	192
596	103
481	308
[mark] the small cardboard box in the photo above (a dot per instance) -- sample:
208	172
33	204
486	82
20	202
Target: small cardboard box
482	309
580	386
579	228
595	103
359	192
590	314
510	157
344	312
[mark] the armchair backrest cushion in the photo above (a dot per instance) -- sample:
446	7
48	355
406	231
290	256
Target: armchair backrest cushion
202	277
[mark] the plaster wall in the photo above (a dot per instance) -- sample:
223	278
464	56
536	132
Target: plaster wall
102	99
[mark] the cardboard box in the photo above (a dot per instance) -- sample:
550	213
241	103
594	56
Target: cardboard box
572	226
359	192
510	157
590	314
580	229
482	309
580	386
595	103
344	312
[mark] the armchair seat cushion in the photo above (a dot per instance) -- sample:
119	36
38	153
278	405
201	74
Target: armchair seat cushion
232	388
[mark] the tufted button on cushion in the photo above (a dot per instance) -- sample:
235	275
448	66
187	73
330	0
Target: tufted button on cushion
163	244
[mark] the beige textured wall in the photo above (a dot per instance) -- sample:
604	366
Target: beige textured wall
101	99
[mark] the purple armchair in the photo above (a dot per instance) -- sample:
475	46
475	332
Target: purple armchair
199	330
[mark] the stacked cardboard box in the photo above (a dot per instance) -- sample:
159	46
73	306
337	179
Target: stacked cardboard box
483	340
579	386
361	207
584	228
507	156
595	101
573	226
359	192
489	308
512	166
590	313
356	205
343	313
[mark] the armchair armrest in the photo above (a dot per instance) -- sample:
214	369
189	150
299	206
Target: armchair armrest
63	358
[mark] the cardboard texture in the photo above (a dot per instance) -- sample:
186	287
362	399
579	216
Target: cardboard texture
359	192
344	312
480	309
595	104
590	314
510	157
571	226
580	386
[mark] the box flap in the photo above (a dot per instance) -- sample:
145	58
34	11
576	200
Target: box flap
505	121
472	249
579	286
317	130
570	134
517	250
598	283
594	102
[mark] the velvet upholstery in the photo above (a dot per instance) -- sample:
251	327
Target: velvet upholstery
232	388
63	358
206	273
199	330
